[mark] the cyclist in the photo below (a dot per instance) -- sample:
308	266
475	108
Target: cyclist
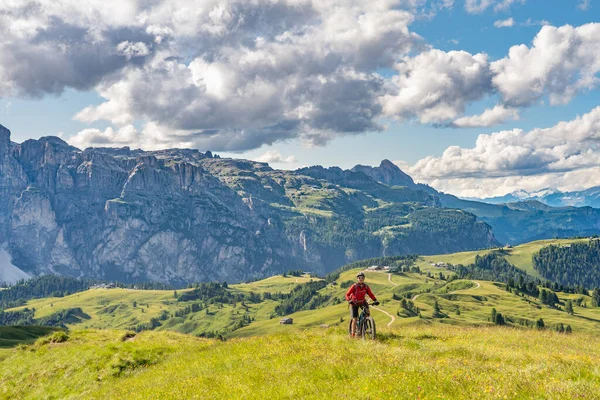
356	297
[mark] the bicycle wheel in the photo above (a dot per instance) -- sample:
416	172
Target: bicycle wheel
368	329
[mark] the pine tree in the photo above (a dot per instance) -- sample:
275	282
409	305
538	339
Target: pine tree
569	307
499	319
437	312
493	315
539	324
596	297
568	329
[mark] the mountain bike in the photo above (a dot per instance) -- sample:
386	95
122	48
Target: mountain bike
365	325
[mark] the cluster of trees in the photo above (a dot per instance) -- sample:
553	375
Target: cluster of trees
575	264
22	317
548	297
490	267
146	326
40	287
497	318
146	286
303	297
26	317
194	307
293	272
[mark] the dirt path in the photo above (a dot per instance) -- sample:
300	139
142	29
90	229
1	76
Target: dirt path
386	313
390	279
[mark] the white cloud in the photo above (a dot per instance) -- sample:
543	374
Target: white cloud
561	63
530	22
505	23
233	75
436	86
490	117
130	50
273	156
479	6
518	156
584	5
264	71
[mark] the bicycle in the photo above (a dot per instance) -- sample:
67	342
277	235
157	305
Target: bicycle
365	325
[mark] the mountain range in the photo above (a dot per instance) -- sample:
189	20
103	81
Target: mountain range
180	215
551	197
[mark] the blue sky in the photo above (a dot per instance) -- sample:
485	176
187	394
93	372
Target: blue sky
217	80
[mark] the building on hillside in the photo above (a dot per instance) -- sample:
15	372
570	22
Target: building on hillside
386	268
441	264
286	321
374	268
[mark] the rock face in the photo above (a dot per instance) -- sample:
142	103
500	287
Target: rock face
179	215
387	173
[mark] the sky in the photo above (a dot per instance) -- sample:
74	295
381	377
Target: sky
477	98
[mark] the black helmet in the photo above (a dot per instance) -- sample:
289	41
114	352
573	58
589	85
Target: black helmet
360	274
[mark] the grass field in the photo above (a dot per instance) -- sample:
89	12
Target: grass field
12	336
460	355
420	361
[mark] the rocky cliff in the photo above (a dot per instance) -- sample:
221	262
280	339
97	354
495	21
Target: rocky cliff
181	215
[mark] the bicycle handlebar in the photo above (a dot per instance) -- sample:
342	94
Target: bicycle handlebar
366	303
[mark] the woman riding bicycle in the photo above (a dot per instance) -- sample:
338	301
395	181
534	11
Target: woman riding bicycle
356	297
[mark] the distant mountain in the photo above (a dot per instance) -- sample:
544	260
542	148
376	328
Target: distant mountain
552	197
180	215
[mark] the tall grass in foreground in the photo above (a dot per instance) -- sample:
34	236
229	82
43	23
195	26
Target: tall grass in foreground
419	362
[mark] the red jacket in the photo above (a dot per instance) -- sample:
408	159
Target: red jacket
358	292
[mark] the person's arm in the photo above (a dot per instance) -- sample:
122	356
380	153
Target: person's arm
371	295
349	293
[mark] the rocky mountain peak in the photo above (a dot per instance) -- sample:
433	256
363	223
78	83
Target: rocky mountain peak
387	164
387	173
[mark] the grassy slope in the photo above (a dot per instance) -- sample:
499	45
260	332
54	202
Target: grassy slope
418	362
475	304
11	336
520	256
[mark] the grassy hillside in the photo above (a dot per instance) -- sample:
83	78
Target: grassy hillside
11	336
520	256
458	353
462	303
421	361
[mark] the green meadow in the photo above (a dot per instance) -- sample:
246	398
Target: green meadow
422	361
456	353
125	308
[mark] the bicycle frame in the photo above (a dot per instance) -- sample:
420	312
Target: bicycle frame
365	312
